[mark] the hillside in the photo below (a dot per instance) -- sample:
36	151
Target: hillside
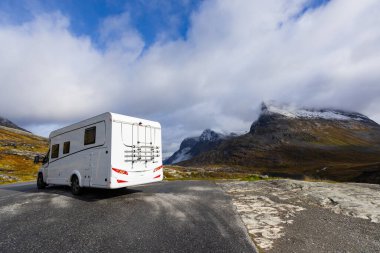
17	151
327	144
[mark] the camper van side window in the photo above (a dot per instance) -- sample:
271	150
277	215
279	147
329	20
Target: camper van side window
89	135
55	151
66	147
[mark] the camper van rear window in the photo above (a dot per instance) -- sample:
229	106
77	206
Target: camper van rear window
89	135
55	151
66	147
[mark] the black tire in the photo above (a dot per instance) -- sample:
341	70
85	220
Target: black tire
40	181
75	187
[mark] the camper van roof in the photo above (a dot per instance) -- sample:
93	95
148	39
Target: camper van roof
107	115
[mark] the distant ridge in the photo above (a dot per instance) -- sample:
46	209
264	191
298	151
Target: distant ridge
7	123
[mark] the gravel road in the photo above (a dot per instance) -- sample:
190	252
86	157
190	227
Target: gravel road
180	216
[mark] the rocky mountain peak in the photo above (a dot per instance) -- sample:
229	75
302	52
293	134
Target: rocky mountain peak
210	135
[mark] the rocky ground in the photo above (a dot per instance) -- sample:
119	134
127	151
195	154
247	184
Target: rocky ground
298	216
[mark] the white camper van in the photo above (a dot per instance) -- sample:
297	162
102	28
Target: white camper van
107	151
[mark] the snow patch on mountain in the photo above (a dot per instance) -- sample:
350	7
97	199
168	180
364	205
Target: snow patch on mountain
294	112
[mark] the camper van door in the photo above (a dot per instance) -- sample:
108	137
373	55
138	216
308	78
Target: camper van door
100	167
87	170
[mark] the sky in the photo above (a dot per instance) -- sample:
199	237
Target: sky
190	65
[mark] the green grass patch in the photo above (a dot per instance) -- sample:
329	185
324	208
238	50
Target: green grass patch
209	173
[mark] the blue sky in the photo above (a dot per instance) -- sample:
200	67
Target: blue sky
150	17
314	4
190	65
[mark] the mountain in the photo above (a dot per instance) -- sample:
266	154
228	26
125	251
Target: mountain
193	146
299	142
17	150
7	123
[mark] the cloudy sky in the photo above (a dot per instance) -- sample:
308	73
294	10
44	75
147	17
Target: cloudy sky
189	64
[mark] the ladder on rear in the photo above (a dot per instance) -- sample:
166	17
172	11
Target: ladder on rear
144	148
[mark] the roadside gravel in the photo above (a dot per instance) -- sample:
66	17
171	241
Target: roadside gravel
298	216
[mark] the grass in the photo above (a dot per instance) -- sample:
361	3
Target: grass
253	178
17	150
17	169
209	173
224	172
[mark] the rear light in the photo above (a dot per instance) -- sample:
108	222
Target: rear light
158	168
121	181
158	176
120	171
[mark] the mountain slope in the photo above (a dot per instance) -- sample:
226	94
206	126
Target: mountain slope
324	143
17	151
183	153
193	146
7	123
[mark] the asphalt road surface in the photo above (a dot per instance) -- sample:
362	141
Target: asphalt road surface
178	216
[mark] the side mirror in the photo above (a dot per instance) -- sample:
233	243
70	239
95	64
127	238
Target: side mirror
36	159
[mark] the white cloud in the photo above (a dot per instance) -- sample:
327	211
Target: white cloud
237	53
121	40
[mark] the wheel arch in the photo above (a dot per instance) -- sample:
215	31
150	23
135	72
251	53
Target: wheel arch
76	173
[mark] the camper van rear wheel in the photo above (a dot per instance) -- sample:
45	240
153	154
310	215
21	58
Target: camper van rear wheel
40	181
75	187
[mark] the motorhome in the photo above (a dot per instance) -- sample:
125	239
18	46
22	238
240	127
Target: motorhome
107	151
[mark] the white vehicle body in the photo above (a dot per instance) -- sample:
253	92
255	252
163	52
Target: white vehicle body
107	151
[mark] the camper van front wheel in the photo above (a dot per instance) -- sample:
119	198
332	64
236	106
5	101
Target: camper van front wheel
40	181
75	187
